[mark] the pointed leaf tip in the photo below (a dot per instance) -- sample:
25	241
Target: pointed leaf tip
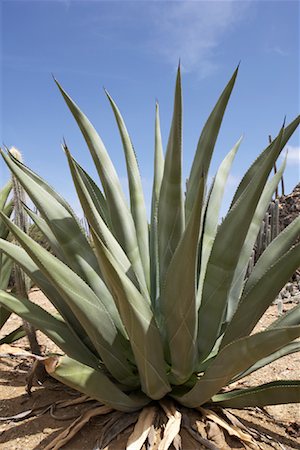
66	149
59	85
178	77
110	99
64	146
284	120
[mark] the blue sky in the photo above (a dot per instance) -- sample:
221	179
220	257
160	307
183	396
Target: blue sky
132	48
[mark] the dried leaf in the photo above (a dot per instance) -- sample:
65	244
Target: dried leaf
216	435
75	401
51	363
188	441
232	430
20	416
200	427
116	425
152	436
73	429
173	425
141	429
196	436
237	423
7	349
177	442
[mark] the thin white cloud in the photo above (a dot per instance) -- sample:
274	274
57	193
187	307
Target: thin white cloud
193	30
278	50
188	29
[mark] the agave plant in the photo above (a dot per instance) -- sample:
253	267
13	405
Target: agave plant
151	314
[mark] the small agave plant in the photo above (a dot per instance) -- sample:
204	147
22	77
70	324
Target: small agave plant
160	315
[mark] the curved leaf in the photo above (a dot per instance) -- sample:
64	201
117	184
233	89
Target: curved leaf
253	305
14	336
72	241
242	265
5	271
85	305
7	210
95	220
206	145
275	393
47	232
94	383
234	359
20	256
95	194
62	223
158	174
170	205
4	193
222	262
289	349
212	214
42	183
137	201
287	133
290	318
120	216
178	298
4	315
278	247
56	329
140	325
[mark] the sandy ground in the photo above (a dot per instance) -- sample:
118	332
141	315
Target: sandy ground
36	432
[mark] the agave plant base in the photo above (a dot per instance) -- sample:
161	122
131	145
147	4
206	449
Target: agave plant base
89	425
166	425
